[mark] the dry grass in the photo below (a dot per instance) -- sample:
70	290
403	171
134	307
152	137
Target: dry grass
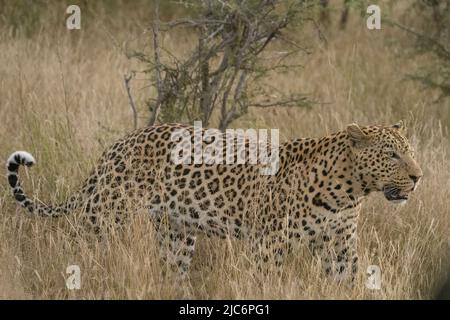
62	99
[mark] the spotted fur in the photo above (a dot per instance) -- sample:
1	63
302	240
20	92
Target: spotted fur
313	198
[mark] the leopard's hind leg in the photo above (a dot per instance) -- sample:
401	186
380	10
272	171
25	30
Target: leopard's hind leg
177	246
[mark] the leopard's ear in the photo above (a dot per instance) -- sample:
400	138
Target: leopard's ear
400	126
357	136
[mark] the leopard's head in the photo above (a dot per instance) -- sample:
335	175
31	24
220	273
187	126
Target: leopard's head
383	160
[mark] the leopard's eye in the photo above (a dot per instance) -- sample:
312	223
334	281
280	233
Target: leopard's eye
393	155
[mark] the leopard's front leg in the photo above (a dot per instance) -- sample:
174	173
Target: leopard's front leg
337	246
341	257
268	250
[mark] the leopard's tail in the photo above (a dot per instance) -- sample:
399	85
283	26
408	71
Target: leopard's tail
12	166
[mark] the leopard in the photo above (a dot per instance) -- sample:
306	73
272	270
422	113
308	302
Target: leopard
313	198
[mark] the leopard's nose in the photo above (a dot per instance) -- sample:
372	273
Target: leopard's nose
415	179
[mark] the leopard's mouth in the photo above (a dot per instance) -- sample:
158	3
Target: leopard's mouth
394	195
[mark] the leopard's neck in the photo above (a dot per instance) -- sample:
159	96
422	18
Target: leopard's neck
322	169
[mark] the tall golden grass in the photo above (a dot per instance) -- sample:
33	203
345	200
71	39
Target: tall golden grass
62	99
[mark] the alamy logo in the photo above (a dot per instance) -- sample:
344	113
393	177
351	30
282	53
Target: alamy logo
212	146
73	282
373	277
74	20
374	20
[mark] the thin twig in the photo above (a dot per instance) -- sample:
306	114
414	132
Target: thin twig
430	40
155	32
127	80
285	103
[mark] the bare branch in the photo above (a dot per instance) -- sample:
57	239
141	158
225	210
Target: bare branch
431	41
221	74
295	102
157	62
127	80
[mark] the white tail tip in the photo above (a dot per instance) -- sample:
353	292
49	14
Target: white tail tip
21	157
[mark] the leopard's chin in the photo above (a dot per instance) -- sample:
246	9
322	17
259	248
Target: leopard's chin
399	201
393	195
